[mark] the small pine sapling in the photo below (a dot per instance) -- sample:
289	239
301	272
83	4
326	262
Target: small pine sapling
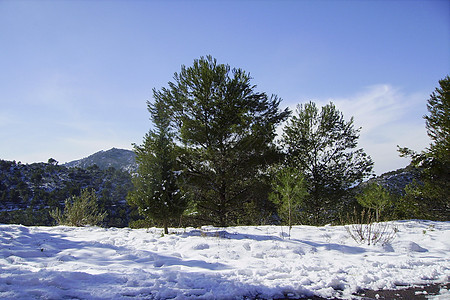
289	190
375	197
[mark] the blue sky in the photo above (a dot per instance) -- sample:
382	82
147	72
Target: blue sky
75	75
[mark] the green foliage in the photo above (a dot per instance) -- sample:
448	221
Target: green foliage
156	192
258	210
407	206
141	223
431	196
289	191
27	217
79	210
375	197
438	120
40	186
225	131
322	145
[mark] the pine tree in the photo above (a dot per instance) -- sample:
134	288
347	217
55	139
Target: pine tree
156	192
375	197
322	145
430	197
289	191
226	132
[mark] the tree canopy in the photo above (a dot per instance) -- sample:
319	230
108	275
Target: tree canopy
225	131
323	146
156	190
431	196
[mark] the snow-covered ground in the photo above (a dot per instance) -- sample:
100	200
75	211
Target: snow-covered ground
215	263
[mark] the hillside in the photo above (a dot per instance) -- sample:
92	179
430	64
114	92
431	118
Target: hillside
396	181
29	191
120	159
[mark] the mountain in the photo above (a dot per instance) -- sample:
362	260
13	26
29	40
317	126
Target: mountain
120	159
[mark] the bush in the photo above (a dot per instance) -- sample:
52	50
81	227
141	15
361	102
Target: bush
80	210
363	230
142	223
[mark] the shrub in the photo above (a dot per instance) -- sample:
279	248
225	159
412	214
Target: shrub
79	210
363	230
142	223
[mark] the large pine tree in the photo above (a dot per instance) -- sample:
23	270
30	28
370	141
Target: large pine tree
323	146
226	131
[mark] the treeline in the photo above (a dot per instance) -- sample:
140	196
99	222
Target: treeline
212	157
28	192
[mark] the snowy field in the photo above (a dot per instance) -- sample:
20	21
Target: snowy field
216	263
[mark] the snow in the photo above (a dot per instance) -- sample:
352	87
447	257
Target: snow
216	263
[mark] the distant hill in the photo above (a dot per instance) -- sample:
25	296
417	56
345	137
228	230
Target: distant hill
120	159
396	181
29	191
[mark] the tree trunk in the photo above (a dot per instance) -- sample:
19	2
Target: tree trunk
290	222
166	227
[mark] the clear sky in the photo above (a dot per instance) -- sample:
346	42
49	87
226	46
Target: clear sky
75	75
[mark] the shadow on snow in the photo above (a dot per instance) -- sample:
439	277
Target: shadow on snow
33	259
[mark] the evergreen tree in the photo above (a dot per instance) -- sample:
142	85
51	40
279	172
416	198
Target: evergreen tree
52	161
322	145
375	197
226	132
156	192
430	198
289	191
